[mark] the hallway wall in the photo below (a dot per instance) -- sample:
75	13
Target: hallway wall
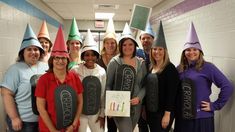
213	20
14	16
214	23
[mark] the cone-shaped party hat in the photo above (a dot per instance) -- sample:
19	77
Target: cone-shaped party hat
110	31
74	32
89	43
60	48
160	41
192	40
30	39
148	30
43	33
127	33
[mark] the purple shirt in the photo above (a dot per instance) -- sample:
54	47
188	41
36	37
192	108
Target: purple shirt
203	80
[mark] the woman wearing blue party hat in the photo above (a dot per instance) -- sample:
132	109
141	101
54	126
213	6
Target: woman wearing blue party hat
16	86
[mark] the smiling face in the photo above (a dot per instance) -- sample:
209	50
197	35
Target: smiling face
31	55
74	46
90	58
45	44
158	53
128	47
146	41
110	46
192	54
60	62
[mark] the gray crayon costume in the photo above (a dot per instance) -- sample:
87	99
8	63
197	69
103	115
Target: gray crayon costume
127	124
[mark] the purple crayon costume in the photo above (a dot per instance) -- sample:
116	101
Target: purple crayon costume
202	79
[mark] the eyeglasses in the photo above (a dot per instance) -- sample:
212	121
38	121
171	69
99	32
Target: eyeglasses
60	58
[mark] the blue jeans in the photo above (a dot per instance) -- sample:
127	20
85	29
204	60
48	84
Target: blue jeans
27	126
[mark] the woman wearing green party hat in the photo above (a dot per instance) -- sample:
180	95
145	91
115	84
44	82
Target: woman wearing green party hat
74	44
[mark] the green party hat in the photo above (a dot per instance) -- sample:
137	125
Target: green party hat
74	32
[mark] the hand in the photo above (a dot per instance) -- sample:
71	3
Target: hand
110	117
165	120
143	112
135	101
16	124
102	121
205	106
69	128
55	130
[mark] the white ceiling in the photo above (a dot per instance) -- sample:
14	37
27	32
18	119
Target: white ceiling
85	9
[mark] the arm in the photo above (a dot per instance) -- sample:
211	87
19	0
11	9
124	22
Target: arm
101	118
103	78
220	80
11	110
172	84
111	70
166	119
76	121
143	71
41	105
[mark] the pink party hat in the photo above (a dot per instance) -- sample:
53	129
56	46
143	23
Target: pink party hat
60	48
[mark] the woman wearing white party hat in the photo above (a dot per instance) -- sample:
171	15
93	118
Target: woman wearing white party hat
136	71
109	50
93	79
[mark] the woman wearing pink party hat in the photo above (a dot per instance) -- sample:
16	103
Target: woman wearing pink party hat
59	92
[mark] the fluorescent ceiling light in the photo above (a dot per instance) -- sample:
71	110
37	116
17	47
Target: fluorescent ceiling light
102	16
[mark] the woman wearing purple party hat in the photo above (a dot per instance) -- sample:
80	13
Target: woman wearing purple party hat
195	109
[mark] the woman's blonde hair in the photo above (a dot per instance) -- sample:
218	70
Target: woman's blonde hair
103	49
166	60
184	62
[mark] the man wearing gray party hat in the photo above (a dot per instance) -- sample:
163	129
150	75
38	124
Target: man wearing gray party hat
146	38
161	86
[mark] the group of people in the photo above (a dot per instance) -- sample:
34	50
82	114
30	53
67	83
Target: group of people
62	87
